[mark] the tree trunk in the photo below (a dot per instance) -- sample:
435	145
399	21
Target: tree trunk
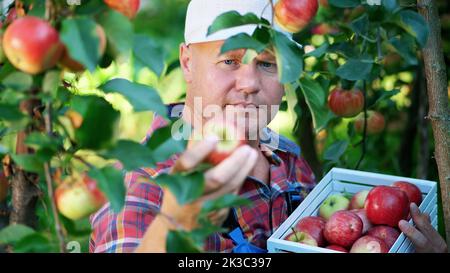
435	72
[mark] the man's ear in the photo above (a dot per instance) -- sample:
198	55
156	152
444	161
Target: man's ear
186	62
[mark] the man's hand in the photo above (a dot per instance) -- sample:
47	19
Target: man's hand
225	178
424	237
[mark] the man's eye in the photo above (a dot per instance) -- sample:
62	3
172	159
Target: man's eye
269	67
229	62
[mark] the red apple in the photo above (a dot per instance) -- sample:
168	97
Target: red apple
388	234
324	29
363	216
357	201
413	192
129	8
78	197
230	138
369	244
32	45
294	15
337	248
68	62
314	226
386	205
346	103
375	123
301	237
333	203
343	228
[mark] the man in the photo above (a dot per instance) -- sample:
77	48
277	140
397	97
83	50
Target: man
274	177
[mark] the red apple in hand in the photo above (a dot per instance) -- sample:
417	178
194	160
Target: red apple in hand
32	45
413	192
343	228
294	15
358	200
78	197
128	8
230	138
301	237
333	203
363	216
375	123
369	244
386	205
388	234
337	248
346	103
314	226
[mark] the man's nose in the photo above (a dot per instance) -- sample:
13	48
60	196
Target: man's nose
247	79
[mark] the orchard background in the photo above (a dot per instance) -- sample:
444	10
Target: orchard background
69	122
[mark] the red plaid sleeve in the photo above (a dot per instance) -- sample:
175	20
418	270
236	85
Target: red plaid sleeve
122	232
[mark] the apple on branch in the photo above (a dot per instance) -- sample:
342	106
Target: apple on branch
294	15
346	103
32	44
129	8
333	203
78	196
375	123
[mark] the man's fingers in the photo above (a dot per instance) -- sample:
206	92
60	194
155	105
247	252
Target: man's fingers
195	154
422	222
224	172
416	237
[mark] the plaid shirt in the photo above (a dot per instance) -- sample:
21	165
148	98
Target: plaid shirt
122	232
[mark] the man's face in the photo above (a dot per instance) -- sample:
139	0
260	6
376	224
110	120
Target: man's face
224	82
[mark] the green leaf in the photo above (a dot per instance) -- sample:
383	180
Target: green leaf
119	31
242	40
344	3
10	112
51	82
110	181
233	19
415	25
180	242
185	187
361	26
35	243
390	5
336	150
206	229
318	52
385	95
315	99
405	48
142	97
18	81
355	69
40	140
100	122
81	40
14	233
289	58
225	201
148	53
164	143
132	154
30	163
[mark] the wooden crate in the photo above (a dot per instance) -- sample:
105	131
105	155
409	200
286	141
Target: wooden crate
343	180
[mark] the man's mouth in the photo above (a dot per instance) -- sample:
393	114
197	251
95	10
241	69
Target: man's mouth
242	105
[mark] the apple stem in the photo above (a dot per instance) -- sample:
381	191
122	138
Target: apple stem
48	178
295	234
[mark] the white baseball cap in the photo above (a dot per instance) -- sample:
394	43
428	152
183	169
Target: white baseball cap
202	13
